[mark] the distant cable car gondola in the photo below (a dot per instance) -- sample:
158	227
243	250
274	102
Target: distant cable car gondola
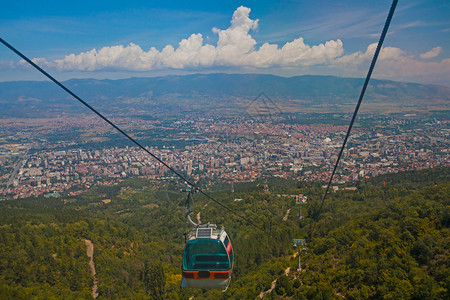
208	256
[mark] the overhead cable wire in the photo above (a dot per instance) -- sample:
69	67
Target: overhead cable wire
194	187
361	96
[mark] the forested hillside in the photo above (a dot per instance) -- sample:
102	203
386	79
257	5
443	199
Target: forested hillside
388	239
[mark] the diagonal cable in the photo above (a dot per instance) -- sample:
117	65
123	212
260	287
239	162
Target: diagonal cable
361	96
194	187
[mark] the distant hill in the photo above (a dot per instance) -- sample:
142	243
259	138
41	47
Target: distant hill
224	92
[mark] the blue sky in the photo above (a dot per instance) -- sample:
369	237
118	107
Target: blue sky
119	39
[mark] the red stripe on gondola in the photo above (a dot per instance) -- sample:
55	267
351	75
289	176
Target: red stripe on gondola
211	274
229	247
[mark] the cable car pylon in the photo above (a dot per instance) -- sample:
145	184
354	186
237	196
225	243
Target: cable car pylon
187	206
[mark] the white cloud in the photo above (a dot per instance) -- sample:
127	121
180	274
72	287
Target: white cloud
357	58
393	63
432	53
235	47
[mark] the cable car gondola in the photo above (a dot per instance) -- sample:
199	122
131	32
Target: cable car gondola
208	256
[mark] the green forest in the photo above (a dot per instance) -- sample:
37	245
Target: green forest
388	239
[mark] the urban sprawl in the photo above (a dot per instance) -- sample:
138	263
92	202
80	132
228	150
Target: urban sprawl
212	149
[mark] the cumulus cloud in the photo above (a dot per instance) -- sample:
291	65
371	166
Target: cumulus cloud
235	47
432	53
358	58
393	63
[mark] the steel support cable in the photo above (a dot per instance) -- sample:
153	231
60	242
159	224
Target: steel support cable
361	96
194	187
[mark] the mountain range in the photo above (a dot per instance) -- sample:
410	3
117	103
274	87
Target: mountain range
220	93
